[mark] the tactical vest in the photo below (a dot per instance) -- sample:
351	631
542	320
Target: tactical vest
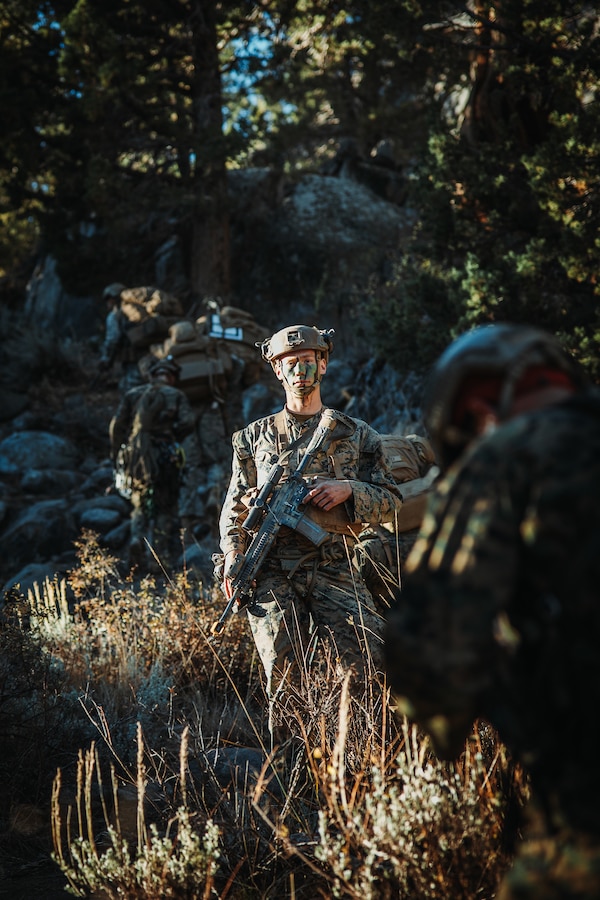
336	520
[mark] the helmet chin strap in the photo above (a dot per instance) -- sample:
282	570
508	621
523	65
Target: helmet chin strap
305	391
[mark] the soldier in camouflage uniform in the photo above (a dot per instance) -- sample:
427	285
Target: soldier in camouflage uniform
500	612
145	435
311	595
116	345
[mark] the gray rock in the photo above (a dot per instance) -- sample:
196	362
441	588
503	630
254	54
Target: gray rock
40	531
100	519
27	450
48	304
12	404
105	501
198	557
348	213
98	480
30	420
34	573
53	482
118	537
259	401
337	383
241	767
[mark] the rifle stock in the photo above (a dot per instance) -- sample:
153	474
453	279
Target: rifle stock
285	508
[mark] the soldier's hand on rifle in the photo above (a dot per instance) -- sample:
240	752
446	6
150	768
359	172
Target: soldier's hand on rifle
230	559
328	493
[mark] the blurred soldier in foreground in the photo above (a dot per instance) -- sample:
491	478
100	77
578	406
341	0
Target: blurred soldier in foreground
307	595
500	612
145	436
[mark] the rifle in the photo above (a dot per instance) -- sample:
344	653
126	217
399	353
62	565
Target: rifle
284	508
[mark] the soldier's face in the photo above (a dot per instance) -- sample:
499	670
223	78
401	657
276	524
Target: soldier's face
299	371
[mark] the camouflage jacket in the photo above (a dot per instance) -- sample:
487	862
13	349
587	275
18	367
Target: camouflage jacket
500	610
357	457
174	417
116	344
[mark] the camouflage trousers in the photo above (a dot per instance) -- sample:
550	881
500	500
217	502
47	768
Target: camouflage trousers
155	519
562	865
315	615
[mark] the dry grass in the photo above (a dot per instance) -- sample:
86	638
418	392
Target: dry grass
165	786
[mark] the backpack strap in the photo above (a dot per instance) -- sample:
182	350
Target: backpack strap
284	447
280	427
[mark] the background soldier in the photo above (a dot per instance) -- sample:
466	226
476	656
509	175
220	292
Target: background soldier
116	346
145	436
136	317
309	594
500	613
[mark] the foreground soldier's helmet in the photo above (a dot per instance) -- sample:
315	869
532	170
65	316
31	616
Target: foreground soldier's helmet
113	290
500	351
296	337
167	364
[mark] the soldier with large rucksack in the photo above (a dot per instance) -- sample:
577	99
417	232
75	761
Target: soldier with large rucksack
137	317
146	436
216	355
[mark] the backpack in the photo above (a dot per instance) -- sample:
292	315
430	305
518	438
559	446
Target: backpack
148	314
241	332
409	456
381	550
206	365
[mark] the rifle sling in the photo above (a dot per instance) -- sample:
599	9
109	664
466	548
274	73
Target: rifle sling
336	520
283	446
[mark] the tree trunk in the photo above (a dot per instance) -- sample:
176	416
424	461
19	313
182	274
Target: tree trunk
210	246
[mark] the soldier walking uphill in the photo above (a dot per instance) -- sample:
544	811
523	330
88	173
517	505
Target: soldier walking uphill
136	318
500	610
307	594
145	436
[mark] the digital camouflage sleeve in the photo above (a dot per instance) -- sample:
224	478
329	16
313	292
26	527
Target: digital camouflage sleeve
358	457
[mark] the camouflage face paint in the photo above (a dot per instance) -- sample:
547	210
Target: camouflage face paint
300	374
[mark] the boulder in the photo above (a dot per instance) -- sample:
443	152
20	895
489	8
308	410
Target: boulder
27	450
39	532
52	482
99	519
49	306
35	573
311	243
105	501
117	537
12	403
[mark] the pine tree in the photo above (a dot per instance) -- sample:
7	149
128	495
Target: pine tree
509	189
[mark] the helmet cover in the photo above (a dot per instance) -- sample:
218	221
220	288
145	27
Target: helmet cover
296	337
501	351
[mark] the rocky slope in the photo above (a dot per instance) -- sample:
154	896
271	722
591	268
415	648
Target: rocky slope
56	478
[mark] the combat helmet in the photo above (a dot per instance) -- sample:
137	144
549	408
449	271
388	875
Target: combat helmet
112	290
503	352
166	364
296	337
